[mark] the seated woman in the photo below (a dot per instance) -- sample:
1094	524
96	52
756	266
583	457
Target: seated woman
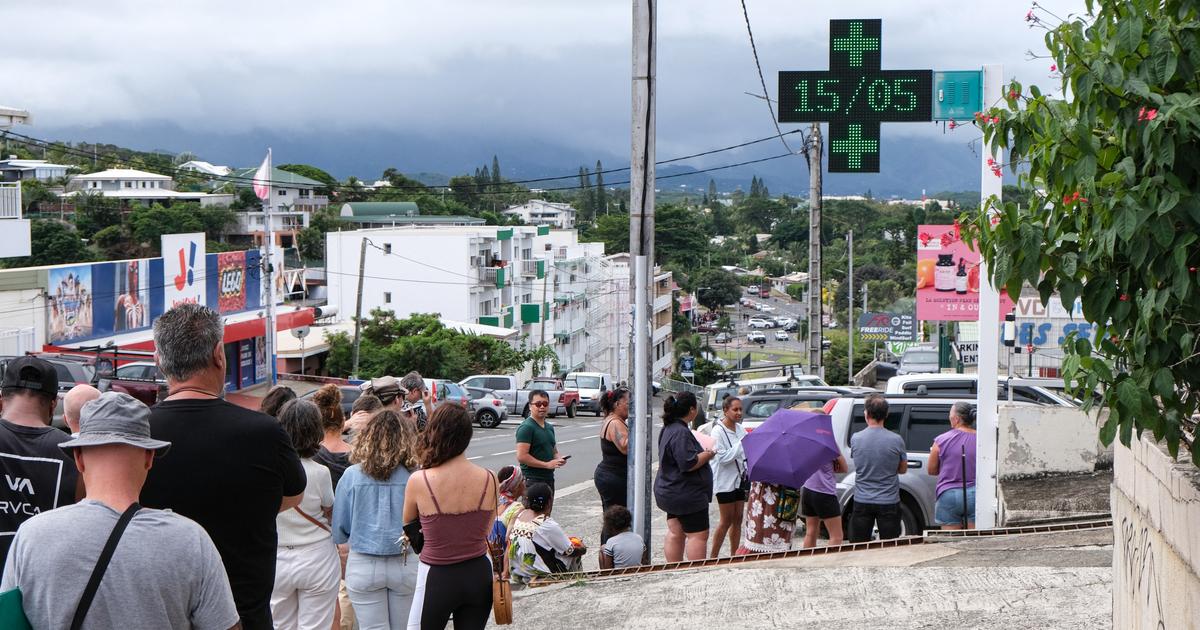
537	544
512	489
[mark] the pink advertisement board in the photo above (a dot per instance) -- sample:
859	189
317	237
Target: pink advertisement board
948	277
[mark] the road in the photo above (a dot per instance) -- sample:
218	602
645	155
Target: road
578	437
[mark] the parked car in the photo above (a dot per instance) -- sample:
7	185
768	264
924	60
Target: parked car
784	322
723	337
710	327
140	379
715	394
590	385
767	308
74	370
782	335
1036	391
758	405
488	407
561	399
350	393
758	322
516	398
756	337
919	360
752	289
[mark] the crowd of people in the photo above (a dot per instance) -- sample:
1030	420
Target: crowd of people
198	512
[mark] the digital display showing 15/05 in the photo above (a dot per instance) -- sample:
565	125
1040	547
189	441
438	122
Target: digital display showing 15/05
855	95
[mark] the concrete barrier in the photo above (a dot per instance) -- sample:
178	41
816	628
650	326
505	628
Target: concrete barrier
1156	555
1041	439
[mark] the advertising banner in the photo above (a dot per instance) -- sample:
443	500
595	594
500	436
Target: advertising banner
948	276
183	269
70	303
231	282
887	327
131	286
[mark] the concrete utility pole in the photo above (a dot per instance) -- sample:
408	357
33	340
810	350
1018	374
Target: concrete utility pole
814	250
269	346
362	266
850	314
641	249
987	426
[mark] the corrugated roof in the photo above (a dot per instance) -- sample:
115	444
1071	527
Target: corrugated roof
380	209
242	177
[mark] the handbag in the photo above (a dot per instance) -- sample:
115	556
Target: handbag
743	478
106	554
501	589
416	538
12	612
787	505
310	518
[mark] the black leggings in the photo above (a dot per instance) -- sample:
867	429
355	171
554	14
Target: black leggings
463	590
612	485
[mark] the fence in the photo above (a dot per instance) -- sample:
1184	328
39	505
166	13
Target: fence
672	385
16	341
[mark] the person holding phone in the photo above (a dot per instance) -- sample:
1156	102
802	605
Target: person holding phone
537	449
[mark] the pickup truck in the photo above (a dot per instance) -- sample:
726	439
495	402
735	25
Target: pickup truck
517	399
140	379
560	397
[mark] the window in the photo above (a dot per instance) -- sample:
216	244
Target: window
527	298
496	383
304	193
129	184
93	184
526	253
485	308
143	184
387	297
387	248
858	419
282	193
943	388
924	424
762	408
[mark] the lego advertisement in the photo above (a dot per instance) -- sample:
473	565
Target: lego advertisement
948	276
231	282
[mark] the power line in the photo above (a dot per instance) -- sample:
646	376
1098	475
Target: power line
763	81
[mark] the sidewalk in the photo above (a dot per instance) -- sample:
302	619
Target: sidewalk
1060	580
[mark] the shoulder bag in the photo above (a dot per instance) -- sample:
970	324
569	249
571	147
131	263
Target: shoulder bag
743	478
309	517
89	592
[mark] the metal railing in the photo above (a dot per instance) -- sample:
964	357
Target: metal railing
10	200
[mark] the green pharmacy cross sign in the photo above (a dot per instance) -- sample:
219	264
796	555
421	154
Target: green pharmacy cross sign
854	96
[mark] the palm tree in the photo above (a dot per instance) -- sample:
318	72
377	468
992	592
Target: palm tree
693	345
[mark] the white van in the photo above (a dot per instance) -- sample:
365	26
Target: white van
590	385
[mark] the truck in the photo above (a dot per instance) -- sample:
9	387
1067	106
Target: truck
590	385
516	399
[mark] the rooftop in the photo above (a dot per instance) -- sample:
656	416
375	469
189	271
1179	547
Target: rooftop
374	209
121	173
283	179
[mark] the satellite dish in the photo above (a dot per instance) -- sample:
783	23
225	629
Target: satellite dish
300	332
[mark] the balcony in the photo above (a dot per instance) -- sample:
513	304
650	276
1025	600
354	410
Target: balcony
533	268
492	275
662	302
504	318
17	239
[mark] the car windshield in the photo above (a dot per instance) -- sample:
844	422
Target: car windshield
920	357
539	385
587	382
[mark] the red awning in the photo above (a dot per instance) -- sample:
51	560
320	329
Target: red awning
235	331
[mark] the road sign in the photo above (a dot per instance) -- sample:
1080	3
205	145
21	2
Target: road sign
887	327
855	95
687	366
968	352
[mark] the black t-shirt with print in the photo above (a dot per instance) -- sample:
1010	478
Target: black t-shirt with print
36	474
228	469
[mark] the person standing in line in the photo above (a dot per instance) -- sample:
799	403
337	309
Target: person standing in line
730	482
164	572
73	403
275	399
381	576
454	502
684	483
361	411
307	567
819	504
334	452
230	469
41	476
879	458
537	449
417	398
612	473
953	474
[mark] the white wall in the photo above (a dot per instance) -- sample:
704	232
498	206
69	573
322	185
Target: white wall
1156	552
24	309
1036	439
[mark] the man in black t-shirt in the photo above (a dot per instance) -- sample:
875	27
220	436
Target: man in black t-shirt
38	476
230	469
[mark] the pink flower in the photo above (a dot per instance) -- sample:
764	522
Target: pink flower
1012	94
953	124
1029	16
1124	298
1067	200
1053	67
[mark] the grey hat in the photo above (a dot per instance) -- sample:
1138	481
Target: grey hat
115	418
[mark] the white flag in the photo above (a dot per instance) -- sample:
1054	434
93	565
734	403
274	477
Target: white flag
262	178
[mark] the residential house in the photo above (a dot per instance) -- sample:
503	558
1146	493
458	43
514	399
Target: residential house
372	214
293	201
15	170
138	187
205	168
542	212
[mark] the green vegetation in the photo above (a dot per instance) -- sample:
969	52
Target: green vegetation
1115	212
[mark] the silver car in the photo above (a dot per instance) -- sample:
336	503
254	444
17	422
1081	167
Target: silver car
919	360
488	408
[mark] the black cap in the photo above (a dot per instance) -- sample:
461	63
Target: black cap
31	373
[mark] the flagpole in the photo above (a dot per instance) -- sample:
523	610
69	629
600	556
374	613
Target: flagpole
270	266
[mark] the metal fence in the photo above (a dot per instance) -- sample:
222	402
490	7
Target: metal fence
672	385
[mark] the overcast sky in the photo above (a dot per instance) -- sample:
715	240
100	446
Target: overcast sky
556	71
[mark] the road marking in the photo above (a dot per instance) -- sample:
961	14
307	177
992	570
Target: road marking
499	454
471	459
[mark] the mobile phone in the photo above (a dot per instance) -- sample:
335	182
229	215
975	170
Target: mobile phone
566	457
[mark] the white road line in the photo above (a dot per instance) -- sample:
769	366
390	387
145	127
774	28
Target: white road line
504	453
471	459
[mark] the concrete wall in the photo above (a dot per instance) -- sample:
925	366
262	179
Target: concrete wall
1156	554
1038	439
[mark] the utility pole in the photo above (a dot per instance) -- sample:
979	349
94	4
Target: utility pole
814	250
641	250
270	244
362	266
850	315
987	424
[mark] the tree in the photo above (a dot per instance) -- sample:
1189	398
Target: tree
1114	216
587	211
712	192
147	224
601	196
94	212
835	356
612	230
692	345
304	170
496	173
679	236
52	242
758	214
715	287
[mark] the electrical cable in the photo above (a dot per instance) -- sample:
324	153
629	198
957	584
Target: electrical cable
763	81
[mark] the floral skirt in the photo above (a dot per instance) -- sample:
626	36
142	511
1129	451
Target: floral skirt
770	521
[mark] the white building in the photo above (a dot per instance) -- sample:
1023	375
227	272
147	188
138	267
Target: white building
542	212
136	186
292	203
15	170
205	168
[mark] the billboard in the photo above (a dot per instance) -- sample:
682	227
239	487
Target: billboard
183	269
131	291
948	276
231	282
887	327
70	303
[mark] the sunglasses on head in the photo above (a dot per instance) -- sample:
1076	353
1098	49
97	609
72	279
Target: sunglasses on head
540	404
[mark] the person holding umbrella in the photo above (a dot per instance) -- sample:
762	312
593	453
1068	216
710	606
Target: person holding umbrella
683	486
952	459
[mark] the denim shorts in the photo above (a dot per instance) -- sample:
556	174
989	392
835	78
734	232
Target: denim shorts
949	507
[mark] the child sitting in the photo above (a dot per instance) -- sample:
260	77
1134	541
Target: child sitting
624	548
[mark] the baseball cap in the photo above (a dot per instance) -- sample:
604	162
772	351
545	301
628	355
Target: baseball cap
31	373
115	418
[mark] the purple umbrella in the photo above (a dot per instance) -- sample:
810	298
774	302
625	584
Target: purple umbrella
789	447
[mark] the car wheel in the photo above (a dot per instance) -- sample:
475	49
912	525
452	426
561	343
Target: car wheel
571	410
910	524
525	411
488	419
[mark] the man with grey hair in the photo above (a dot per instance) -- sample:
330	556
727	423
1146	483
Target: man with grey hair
136	567
418	400
230	469
73	403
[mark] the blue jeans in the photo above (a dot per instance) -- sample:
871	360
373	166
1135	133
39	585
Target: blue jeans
949	507
381	589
